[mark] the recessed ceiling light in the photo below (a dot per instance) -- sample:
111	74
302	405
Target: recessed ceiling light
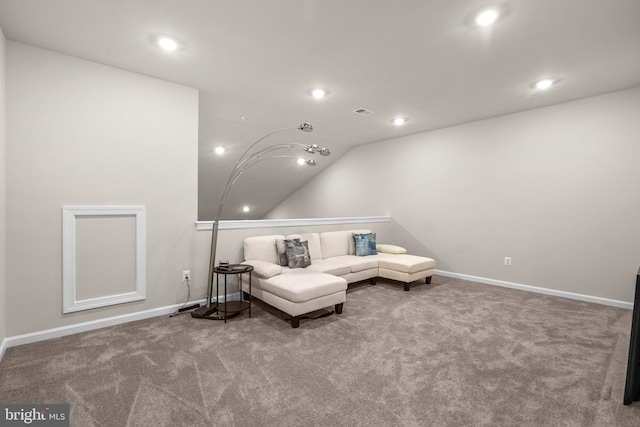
246	209
487	17
319	93
167	44
219	150
399	121
544	84
301	161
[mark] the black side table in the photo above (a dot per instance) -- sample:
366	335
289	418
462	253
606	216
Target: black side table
230	309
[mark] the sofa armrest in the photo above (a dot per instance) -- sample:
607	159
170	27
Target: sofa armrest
264	269
390	249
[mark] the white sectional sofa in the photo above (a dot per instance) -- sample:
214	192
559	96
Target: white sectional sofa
334	264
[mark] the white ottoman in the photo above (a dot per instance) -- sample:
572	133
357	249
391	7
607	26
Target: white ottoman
300	291
406	268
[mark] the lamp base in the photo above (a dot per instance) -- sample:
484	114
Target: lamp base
187	308
207	313
204	312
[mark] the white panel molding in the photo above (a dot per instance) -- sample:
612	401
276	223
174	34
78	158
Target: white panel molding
538	290
273	223
69	213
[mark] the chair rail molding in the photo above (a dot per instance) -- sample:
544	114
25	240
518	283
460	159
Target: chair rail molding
273	223
70	301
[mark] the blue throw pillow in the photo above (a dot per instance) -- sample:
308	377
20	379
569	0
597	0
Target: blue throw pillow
365	244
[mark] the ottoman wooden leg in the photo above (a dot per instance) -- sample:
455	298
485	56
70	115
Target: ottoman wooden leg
427	280
406	287
339	308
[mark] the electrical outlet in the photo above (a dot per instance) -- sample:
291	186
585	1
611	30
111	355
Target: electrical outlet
507	260
186	275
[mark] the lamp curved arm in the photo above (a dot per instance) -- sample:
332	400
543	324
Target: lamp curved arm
309	149
247	161
242	164
260	159
260	140
243	159
237	173
306	127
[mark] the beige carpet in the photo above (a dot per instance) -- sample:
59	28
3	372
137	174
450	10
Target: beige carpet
452	353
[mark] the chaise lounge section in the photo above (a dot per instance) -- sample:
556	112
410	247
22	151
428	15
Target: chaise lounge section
331	261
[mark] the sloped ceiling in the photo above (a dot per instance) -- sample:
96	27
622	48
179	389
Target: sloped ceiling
422	60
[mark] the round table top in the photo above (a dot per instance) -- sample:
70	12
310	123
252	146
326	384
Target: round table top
233	269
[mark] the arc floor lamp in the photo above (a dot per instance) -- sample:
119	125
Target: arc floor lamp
250	157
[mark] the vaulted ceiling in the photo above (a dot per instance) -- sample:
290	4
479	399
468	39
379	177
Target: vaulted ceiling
256	63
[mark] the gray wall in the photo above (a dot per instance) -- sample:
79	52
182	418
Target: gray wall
3	193
557	189
79	133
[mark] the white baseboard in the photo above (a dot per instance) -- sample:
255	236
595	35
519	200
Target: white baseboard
231	297
538	290
89	326
3	348
97	324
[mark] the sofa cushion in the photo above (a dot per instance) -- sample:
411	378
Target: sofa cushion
315	250
357	263
300	285
352	245
334	243
365	244
390	249
406	263
264	269
262	248
297	253
330	267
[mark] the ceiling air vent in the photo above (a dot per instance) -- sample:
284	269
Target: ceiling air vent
362	111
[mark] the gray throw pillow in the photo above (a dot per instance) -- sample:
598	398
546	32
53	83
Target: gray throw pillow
365	244
297	253
282	252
